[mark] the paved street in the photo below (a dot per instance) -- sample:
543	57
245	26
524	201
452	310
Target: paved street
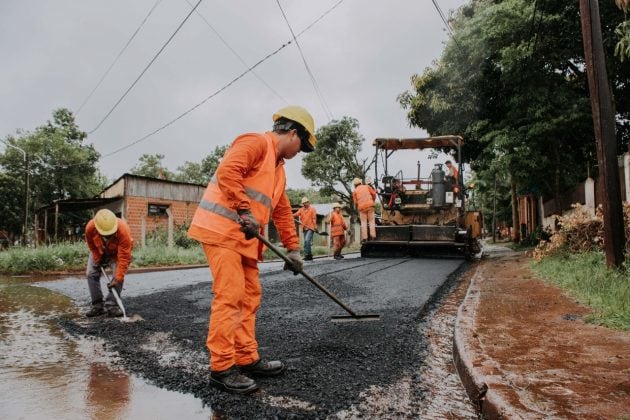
332	368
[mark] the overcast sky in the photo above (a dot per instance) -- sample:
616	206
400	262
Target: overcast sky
361	55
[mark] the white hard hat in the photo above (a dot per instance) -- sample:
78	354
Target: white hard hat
305	200
356	181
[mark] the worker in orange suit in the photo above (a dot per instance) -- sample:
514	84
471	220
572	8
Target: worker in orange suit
338	229
307	217
247	190
363	197
109	240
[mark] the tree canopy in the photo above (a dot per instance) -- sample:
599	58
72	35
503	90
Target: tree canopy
151	165
335	161
512	81
60	166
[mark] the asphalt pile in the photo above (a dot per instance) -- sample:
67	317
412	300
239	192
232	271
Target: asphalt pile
331	367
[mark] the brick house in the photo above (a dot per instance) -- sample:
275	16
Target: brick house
145	203
148	204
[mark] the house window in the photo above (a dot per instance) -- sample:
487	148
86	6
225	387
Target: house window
158	209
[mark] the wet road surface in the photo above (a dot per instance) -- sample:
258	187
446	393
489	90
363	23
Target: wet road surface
333	369
45	373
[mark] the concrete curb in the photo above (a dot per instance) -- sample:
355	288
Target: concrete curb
468	357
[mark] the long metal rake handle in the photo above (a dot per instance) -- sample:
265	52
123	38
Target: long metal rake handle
317	284
115	293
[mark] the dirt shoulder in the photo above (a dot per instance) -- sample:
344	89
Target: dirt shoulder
523	350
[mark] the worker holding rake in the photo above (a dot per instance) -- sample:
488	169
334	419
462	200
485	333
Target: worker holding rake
109	240
247	190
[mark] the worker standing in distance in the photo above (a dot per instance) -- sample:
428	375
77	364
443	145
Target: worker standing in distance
109	240
308	219
246	191
363	197
337	230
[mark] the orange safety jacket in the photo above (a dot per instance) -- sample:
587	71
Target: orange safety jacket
117	248
337	224
363	197
248	177
308	218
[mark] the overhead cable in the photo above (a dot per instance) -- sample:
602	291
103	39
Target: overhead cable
237	55
145	69
318	91
171	122
117	57
443	17
183	114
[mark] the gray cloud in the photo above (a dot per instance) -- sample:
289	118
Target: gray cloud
362	55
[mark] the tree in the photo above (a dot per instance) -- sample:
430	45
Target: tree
151	166
622	49
314	196
61	166
335	162
200	173
512	82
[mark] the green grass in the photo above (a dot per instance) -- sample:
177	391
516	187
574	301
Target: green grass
18	260
586	278
71	257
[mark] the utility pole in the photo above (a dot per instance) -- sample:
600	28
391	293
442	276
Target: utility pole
494	211
26	188
604	123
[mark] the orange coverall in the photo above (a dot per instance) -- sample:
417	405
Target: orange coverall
337	231
118	248
248	177
364	197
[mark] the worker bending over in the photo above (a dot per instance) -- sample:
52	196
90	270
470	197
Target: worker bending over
109	240
247	190
363	197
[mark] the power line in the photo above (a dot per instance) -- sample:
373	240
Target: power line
237	55
443	17
183	114
117	57
171	122
308	69
145	69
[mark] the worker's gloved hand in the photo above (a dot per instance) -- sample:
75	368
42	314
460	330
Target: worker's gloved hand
296	262
249	224
117	283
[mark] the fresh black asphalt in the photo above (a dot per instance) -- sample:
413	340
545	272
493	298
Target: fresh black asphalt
329	364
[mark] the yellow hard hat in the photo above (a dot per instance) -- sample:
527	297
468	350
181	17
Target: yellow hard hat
356	181
105	222
301	116
305	200
337	205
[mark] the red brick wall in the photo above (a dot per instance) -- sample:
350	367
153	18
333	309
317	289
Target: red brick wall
137	208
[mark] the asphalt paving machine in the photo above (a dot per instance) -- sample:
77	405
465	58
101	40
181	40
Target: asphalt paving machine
422	216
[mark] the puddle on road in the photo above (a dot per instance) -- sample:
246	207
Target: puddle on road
45	374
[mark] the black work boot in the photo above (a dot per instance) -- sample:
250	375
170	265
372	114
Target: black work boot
96	310
308	257
263	367
231	380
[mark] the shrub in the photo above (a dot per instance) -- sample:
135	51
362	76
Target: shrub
580	232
